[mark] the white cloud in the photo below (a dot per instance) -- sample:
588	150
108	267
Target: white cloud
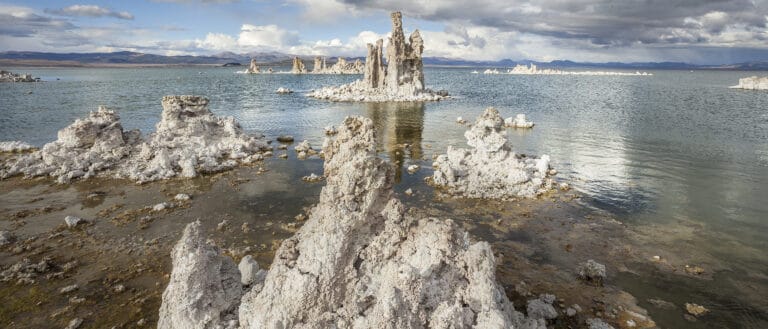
90	11
266	37
217	41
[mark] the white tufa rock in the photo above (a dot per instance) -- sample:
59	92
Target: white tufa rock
518	121
282	90
534	70
490	169
250	272
188	140
460	120
204	288
413	168
74	323
298	66
73	221
340	67
312	178
182	197
359	261
253	67
541	308
162	206
753	83
401	79
592	271
15	146
595	323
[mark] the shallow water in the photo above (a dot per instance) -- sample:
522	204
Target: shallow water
678	157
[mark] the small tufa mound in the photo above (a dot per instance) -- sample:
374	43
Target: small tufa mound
518	121
592	272
204	288
283	91
490	169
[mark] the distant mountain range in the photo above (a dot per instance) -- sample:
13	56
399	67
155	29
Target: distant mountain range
127	58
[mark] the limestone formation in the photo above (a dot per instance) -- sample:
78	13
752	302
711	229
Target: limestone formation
204	289
188	140
361	262
401	79
254	67
753	83
490	169
298	66
319	65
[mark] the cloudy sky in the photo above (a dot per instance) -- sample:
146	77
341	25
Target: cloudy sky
694	31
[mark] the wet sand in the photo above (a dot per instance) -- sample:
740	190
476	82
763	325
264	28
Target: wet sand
538	243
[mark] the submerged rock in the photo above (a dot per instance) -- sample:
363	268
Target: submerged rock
595	323
188	140
490	169
696	309
204	288
541	308
401	79
250	272
361	261
15	146
753	83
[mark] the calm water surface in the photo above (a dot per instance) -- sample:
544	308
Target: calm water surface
671	151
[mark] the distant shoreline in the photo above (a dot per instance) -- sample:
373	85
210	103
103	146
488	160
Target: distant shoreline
75	64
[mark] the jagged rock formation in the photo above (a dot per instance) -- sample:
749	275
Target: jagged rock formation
204	289
490	169
340	67
298	66
361	262
6	76
188	140
402	79
253	67
752	83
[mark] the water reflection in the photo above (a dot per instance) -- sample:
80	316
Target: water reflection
398	124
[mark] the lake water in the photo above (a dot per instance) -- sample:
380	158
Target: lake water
677	156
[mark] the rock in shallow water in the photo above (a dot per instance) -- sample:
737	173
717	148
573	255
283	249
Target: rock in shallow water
490	169
592	272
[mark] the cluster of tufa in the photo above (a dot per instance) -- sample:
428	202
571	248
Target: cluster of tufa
401	79
490	169
359	261
188	140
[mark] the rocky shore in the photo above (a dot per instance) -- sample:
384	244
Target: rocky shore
400	80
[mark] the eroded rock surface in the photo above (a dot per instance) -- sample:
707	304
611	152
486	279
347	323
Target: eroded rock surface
361	262
753	83
188	140
340	67
15	146
490	169
402	79
204	288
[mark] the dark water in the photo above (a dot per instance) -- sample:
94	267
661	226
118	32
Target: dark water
677	155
